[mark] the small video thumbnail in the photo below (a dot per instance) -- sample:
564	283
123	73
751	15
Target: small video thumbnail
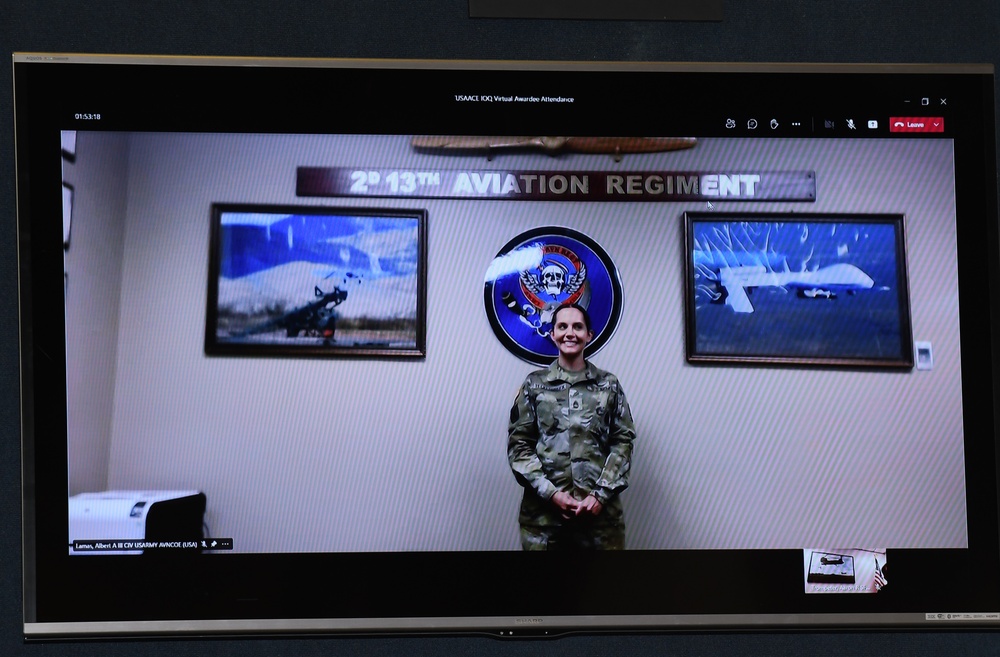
845	570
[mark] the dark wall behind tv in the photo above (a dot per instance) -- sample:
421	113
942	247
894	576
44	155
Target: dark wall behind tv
966	31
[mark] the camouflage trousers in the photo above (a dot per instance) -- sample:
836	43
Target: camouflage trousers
582	533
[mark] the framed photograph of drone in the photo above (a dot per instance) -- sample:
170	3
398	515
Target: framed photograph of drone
797	289
317	282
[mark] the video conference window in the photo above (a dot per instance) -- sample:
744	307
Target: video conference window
382	422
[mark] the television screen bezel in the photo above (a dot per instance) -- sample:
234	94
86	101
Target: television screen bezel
423	571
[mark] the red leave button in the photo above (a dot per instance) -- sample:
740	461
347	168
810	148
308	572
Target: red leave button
916	124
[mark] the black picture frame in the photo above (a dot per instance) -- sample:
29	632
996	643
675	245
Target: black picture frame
295	281
797	289
630	10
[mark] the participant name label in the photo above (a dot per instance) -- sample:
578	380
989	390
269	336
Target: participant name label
132	544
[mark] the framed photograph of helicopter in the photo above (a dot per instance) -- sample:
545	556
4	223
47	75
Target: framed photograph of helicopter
316	281
797	289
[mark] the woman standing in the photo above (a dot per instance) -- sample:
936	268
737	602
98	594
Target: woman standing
569	443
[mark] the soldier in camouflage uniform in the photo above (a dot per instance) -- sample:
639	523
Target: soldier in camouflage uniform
570	446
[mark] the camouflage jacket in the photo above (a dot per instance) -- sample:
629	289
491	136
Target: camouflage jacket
571	431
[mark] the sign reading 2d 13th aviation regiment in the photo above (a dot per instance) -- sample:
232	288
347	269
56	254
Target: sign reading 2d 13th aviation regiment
536	272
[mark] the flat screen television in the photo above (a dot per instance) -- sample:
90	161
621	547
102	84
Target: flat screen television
342	346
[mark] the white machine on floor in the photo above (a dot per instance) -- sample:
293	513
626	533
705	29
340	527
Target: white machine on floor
129	515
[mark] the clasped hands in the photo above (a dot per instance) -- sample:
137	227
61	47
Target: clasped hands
572	507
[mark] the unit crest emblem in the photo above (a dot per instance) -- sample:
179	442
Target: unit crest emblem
534	274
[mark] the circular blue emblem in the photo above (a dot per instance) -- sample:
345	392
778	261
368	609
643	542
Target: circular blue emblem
536	272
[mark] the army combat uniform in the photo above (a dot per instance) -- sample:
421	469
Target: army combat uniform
572	432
